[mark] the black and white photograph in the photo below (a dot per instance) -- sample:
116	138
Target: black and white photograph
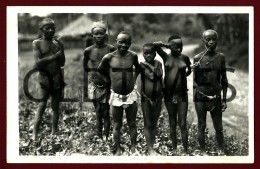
130	84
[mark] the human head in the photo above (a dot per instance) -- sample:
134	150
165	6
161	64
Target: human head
47	26
149	52
99	31
175	43
210	39
123	42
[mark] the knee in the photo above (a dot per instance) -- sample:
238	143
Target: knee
182	125
132	125
117	126
55	106
42	105
173	123
219	130
148	126
202	125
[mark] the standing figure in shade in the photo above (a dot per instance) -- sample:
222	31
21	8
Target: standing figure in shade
49	56
152	94
98	85
120	64
177	68
209	80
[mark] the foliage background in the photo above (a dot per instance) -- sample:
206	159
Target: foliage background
77	122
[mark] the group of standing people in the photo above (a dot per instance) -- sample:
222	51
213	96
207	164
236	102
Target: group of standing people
112	74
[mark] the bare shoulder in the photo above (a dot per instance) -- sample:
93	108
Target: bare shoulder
159	63
108	56
88	49
133	54
36	42
185	56
111	47
222	55
198	56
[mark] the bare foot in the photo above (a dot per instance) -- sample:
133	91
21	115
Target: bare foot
174	152
118	152
54	132
34	136
203	153
153	153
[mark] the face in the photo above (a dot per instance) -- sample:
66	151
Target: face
176	46
123	43
149	54
48	30
99	35
210	40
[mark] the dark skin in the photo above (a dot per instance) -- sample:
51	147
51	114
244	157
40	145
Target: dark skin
124	59
49	55
151	112
92	58
177	112
216	78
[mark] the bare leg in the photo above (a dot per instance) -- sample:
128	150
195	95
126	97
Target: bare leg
216	116
172	112
147	114
182	119
117	113
99	125
202	115
38	117
105	108
131	112
155	116
55	102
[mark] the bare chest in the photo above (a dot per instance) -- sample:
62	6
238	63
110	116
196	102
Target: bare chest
47	48
211	62
174	63
122	62
98	54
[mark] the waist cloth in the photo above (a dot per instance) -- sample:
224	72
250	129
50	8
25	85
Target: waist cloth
98	93
209	101
123	100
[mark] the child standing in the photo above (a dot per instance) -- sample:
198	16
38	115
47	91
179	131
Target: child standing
152	93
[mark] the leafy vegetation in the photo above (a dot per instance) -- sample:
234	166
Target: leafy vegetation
77	122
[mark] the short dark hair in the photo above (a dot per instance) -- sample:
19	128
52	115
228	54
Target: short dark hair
126	33
174	36
150	45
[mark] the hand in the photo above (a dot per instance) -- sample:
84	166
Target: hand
158	43
224	106
58	54
157	72
195	65
60	44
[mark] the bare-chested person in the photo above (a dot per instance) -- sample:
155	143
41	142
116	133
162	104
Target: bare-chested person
49	55
123	91
98	91
209	79
152	94
177	67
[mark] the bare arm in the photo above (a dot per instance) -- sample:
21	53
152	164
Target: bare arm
137	67
42	61
224	80
62	59
104	66
195	85
158	48
146	72
188	72
85	60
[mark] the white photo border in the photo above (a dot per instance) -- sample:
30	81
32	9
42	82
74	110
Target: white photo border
12	85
